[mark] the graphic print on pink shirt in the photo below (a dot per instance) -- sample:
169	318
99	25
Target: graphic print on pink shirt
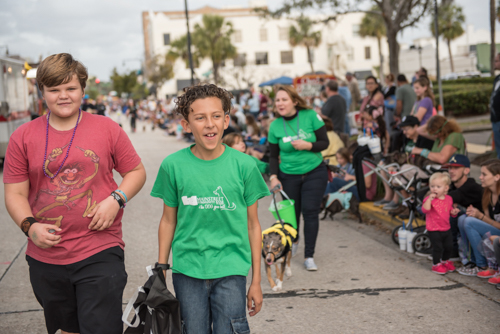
438	217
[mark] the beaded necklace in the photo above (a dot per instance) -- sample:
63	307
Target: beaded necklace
47	143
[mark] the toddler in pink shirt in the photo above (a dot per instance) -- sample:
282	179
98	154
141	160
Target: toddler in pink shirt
438	207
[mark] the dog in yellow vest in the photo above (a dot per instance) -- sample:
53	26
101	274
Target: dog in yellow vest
277	249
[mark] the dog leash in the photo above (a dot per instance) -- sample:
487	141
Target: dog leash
276	207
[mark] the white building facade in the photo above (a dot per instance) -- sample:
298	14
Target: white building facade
262	45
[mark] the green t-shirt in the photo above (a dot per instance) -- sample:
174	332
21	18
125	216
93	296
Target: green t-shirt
455	139
407	95
293	161
211	196
262	166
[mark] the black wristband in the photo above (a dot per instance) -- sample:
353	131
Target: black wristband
26	224
119	199
162	266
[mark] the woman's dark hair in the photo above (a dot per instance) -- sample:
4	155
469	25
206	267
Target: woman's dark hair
296	98
253	124
376	89
193	93
425	82
380	121
493	166
328	122
344	152
439	126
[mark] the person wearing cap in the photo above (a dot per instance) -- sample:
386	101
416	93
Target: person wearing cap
409	126
352	83
464	191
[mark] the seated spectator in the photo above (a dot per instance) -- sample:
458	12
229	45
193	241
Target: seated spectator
409	126
253	129
375	97
236	141
423	109
337	183
474	225
335	142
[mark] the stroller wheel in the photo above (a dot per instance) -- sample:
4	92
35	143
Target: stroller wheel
395	236
421	242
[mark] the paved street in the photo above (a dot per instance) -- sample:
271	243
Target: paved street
364	283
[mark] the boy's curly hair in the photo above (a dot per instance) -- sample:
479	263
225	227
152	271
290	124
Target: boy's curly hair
193	93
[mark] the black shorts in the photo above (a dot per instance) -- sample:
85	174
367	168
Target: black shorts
84	297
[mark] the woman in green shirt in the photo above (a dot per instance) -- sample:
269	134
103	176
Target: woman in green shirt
296	139
449	140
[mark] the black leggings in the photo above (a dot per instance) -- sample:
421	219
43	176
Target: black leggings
442	245
307	191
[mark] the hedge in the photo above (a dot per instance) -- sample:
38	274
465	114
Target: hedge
485	80
467	101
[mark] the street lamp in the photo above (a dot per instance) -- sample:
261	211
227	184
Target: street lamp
438	70
189	43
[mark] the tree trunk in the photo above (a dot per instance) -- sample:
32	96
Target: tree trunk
448	42
381	60
216	73
309	59
492	33
393	50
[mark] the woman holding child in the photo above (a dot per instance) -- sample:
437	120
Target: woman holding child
475	224
296	138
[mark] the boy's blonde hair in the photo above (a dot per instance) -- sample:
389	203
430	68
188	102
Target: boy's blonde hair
441	176
59	69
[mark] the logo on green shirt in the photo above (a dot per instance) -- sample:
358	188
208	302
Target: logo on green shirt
220	202
302	135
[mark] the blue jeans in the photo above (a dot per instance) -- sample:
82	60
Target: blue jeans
347	126
338	183
219	302
472	230
496	137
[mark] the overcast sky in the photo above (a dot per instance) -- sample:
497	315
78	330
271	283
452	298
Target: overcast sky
108	33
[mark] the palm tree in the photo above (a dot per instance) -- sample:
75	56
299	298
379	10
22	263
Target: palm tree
303	36
213	40
179	49
450	23
373	25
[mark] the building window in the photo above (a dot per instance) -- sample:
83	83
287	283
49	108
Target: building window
368	54
261	58
240	59
166	39
355	30
284	33
310	56
237	36
350	54
287	57
263	35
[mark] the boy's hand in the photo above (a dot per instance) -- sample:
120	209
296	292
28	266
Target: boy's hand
41	237
455	211
254	299
103	215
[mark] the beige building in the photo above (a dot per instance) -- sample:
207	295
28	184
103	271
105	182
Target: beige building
262	45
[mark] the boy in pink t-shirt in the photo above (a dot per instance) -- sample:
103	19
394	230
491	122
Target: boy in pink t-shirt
438	207
59	189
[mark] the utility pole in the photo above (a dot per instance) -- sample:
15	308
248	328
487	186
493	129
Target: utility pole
438	70
189	43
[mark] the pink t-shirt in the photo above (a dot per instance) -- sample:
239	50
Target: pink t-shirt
86	178
438	217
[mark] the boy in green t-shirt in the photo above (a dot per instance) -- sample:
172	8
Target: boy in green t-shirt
210	193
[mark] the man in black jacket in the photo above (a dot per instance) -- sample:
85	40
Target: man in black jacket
495	108
464	190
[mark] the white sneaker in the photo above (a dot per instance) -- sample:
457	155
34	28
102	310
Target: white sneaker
310	265
295	248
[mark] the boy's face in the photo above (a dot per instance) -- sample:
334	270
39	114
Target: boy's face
207	122
64	100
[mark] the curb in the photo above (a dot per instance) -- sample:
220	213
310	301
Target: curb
369	211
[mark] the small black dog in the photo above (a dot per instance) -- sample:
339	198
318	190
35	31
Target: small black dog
336	206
